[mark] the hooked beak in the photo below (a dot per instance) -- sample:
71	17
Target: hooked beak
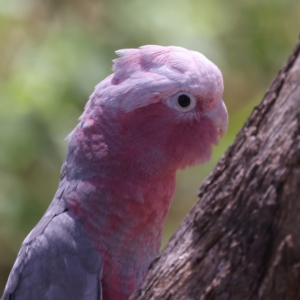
219	116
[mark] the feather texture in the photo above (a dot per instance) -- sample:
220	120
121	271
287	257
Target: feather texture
159	111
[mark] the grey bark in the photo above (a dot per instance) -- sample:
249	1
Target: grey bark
242	239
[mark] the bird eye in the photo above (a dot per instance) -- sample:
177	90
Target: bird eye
184	101
181	101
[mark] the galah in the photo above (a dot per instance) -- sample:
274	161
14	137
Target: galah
161	110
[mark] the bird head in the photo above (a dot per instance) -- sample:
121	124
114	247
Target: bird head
161	109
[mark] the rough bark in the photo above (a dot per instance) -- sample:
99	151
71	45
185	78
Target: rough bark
242	239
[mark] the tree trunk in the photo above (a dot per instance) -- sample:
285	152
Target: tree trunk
242	239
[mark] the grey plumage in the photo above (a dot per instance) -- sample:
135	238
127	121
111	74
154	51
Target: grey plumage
56	260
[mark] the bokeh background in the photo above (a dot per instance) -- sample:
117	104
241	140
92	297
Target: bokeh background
53	53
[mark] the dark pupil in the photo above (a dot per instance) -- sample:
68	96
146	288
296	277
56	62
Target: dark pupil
184	100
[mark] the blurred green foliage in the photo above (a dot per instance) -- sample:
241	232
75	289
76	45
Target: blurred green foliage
53	53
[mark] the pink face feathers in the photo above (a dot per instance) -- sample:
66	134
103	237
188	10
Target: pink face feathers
161	109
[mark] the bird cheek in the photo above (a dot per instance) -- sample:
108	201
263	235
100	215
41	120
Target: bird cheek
191	141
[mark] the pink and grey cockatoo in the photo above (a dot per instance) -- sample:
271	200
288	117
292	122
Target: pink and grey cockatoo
161	110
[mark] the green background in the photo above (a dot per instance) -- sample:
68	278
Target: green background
53	53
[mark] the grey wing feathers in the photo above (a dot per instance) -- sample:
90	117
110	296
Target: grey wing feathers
57	261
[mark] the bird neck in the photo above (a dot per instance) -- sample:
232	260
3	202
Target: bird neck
122	200
122	197
124	218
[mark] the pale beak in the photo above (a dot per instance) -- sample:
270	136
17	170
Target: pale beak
219	116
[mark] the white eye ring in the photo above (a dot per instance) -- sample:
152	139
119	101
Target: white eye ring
182	101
